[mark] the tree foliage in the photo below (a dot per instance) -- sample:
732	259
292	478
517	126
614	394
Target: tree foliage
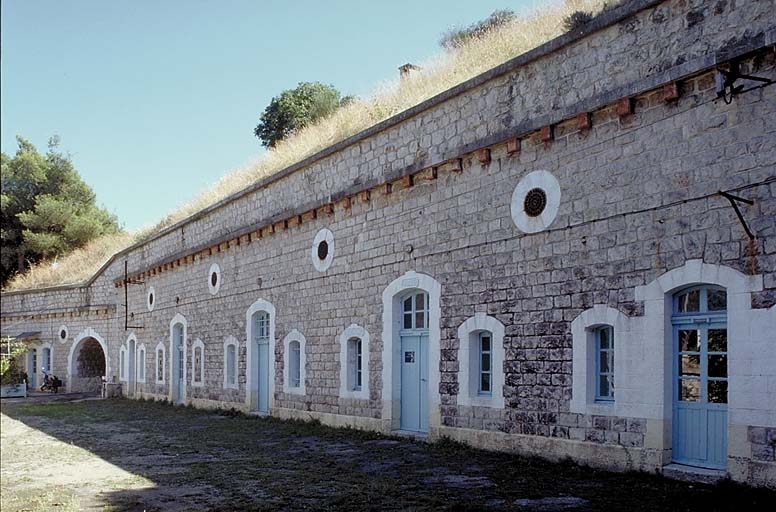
46	209
459	36
577	19
11	361
296	108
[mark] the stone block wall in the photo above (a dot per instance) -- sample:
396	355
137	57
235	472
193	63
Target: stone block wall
639	198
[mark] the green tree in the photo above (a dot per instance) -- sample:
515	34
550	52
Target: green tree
459	36
297	108
46	209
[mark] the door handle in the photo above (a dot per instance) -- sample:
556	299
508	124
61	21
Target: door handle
423	380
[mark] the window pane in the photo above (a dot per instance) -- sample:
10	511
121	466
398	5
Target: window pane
718	391
604	362
689	301
485	383
408	304
603	337
485	365
717	366
689	390
717	300
689	341
486	343
603	385
690	365
717	340
420	301
420	320
408	320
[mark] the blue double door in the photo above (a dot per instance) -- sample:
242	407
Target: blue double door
700	393
262	355
414	380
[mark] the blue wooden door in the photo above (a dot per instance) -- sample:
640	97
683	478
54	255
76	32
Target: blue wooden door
178	367
700	389
414	382
263	364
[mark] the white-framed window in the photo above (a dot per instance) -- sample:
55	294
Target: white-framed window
481	362
151	299
604	360
198	363
231	353
46	363
415	311
214	279
161	361
485	363
354	362
294	361
141	364
62	333
123	362
596	357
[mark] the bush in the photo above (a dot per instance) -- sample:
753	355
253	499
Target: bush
576	20
11	372
458	37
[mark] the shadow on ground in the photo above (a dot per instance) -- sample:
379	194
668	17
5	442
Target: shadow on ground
134	455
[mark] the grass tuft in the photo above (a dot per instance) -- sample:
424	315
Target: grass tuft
439	74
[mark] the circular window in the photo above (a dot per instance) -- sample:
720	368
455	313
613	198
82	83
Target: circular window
63	333
214	279
151	299
322	252
535	202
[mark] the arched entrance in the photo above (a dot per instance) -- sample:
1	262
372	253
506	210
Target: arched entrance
87	364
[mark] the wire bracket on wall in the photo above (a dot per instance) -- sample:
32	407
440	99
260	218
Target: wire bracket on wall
734	200
127	282
726	82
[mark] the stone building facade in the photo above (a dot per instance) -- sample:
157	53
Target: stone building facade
545	259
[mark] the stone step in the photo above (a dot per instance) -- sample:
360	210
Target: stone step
693	474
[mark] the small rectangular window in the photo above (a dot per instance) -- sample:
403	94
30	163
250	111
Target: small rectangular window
604	348
198	364
485	351
141	366
354	364
231	363
160	365
294	374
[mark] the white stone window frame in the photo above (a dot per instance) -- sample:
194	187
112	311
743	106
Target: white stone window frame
548	183
160	347
294	335
214	269
351	332
42	348
150	305
141	363
198	344
583	360
391	356
468	365
327	236
231	341
63	327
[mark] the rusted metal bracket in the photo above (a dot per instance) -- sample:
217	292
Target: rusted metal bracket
126	300
726	82
734	200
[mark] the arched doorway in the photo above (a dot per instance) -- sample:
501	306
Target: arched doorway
87	366
260	356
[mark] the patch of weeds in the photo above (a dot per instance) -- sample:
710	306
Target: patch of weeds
449	445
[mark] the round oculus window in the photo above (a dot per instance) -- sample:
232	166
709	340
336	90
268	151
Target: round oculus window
535	202
214	279
151	299
323	249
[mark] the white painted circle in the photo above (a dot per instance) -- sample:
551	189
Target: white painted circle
62	329
151	299
214	279
324	235
549	185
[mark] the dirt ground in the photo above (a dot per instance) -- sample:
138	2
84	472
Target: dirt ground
130	455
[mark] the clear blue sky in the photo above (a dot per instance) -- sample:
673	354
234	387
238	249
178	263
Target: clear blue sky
155	100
